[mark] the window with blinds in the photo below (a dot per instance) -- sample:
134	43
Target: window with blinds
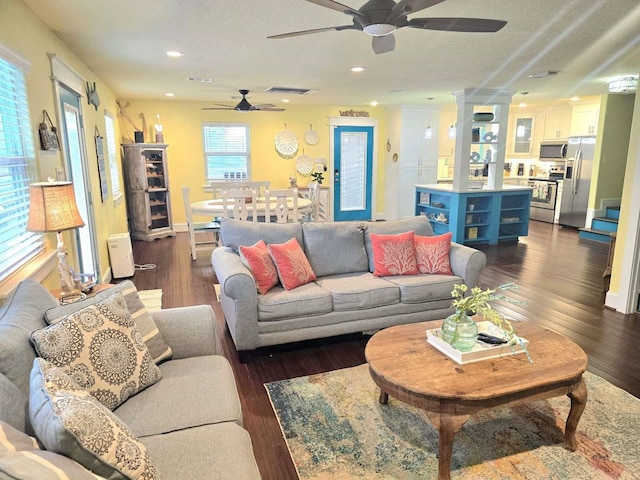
114	168
16	161
226	151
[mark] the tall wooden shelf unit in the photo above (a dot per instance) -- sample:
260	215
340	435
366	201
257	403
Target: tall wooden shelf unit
147	185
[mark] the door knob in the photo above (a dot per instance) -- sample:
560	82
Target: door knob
336	176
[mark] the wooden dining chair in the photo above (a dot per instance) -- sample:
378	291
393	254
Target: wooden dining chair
239	204
202	235
281	205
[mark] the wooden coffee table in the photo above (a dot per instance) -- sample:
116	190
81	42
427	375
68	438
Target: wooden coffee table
405	366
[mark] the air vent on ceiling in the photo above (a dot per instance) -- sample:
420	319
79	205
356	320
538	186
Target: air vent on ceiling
289	90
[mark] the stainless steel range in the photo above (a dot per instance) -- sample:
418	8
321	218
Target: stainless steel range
545	194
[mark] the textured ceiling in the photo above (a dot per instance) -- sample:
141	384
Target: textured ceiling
587	41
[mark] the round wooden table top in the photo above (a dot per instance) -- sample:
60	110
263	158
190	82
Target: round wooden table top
403	364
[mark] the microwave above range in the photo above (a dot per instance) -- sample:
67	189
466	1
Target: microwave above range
553	151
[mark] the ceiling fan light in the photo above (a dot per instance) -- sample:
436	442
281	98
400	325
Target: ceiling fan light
623	85
379	29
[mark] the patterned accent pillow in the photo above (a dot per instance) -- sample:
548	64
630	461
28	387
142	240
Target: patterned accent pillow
100	347
258	260
432	253
293	267
394	254
73	423
21	458
158	349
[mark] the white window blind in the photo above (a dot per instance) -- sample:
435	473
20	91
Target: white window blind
114	168
16	161
226	151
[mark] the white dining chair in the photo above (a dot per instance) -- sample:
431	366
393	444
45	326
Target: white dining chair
314	197
202	235
239	204
281	204
217	186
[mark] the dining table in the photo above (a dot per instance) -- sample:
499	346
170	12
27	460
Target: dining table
214	207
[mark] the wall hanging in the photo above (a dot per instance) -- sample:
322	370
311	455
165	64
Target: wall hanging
102	171
286	143
48	133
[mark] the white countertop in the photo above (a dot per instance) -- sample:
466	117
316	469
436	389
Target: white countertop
449	188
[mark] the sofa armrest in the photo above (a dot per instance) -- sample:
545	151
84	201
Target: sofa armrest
238	297
467	262
189	331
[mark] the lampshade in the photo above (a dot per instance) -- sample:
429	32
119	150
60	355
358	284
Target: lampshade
53	207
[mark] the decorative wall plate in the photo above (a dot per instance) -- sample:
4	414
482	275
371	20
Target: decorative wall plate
311	136
286	143
304	164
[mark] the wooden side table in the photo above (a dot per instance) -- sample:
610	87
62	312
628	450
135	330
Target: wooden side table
57	292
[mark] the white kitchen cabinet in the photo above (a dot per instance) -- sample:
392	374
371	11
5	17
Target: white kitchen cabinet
520	143
557	124
584	119
147	191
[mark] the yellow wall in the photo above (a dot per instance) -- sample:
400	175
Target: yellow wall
182	130
22	32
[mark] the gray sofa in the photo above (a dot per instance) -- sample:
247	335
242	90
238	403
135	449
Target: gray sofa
190	421
346	297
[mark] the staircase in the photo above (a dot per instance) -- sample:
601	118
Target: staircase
602	227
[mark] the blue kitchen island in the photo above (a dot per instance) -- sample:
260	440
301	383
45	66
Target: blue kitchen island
476	216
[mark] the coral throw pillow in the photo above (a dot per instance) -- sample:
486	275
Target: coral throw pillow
258	260
432	253
293	267
393	254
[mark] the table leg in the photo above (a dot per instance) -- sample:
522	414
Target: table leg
383	398
449	423
578	401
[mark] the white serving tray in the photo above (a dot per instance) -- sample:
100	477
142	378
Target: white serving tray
480	351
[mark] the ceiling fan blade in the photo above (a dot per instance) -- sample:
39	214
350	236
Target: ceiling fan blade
315	30
262	106
270	109
217	108
406	7
383	44
333	5
458	24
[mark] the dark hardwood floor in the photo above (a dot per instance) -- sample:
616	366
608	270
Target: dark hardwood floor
559	277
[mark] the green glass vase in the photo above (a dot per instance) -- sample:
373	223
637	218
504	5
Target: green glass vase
460	331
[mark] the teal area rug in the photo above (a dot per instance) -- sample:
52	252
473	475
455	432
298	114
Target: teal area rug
336	430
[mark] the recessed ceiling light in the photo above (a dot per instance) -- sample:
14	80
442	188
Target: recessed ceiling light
169	94
374	104
285	100
574	99
174	54
357	69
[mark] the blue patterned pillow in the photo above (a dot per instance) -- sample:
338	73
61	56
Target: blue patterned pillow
100	347
69	421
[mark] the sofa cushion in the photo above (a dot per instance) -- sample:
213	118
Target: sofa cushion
335	247
420	225
101	348
158	349
21	458
201	389
75	424
292	264
424	288
211	452
258	259
303	301
12	404
432	253
356	291
393	254
236	232
22	313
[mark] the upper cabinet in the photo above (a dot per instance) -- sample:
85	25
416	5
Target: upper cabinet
584	119
522	134
557	124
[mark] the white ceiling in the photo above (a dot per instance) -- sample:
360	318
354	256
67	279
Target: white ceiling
124	42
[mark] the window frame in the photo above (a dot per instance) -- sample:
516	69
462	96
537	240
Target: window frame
207	154
112	154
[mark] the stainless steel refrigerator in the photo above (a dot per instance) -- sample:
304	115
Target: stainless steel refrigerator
577	181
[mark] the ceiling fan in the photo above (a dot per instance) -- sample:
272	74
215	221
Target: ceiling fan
380	18
245	106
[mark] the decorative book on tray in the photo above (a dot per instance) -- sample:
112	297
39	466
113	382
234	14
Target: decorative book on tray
481	351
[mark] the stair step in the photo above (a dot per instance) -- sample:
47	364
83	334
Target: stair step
596	235
613	212
606	224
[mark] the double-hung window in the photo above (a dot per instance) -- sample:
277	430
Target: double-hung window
114	168
226	151
17	245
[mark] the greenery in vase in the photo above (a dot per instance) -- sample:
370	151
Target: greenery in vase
477	302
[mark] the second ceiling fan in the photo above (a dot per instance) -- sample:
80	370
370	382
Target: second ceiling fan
245	106
380	18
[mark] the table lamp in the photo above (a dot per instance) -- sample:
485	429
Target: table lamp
53	209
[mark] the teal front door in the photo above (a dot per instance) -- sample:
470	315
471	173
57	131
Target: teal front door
352	172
